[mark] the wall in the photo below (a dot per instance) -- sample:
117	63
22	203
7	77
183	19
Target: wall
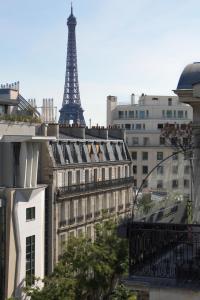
174	294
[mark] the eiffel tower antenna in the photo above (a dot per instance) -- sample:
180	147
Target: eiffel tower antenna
71	111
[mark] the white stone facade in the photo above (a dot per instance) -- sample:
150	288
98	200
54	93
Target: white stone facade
143	123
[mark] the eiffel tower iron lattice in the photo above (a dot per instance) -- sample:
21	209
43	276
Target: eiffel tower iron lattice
71	111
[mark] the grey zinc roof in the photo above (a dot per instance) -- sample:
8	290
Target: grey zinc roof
189	76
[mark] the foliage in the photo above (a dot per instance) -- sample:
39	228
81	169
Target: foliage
179	136
123	293
145	203
20	118
88	270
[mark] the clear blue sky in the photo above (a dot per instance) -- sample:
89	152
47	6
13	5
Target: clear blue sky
123	47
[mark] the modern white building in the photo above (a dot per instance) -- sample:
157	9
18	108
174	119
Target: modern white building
22	198
143	122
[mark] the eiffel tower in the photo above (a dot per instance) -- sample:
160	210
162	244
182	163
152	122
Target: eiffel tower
71	111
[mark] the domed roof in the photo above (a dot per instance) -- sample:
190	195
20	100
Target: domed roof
189	76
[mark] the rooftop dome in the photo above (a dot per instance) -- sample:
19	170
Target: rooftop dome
189	76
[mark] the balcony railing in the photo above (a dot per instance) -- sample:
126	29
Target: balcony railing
120	206
62	223
91	186
80	219
97	214
71	221
112	209
161	251
127	205
89	216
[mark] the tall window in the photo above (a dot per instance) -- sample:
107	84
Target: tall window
144	169
30	213
146	141
174	183
180	114
162	140
170	101
145	155
159	155
135	140
30	260
134	155
160	170
134	169
159	184
175	169
169	113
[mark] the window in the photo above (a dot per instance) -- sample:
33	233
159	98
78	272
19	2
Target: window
155	99
180	114
134	155
175	169
186	183
30	213
30	260
142	114
136	114
160	126
135	182
145	183
134	169
187	170
175	156
162	140
159	155
174	113
146	141
147	113
128	126
145	155
169	114
174	183
131	114
138	126
135	140
169	101
144	169
121	114
160	170
186	114
159	184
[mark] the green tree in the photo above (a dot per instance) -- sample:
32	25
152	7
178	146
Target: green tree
88	270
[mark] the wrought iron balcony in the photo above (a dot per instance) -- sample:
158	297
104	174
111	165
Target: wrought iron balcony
80	218
62	223
71	221
120	206
97	214
160	252
89	216
127	205
91	186
112	209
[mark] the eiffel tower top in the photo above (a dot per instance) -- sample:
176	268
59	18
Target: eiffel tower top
71	107
71	20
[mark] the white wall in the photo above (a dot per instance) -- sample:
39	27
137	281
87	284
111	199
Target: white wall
25	198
